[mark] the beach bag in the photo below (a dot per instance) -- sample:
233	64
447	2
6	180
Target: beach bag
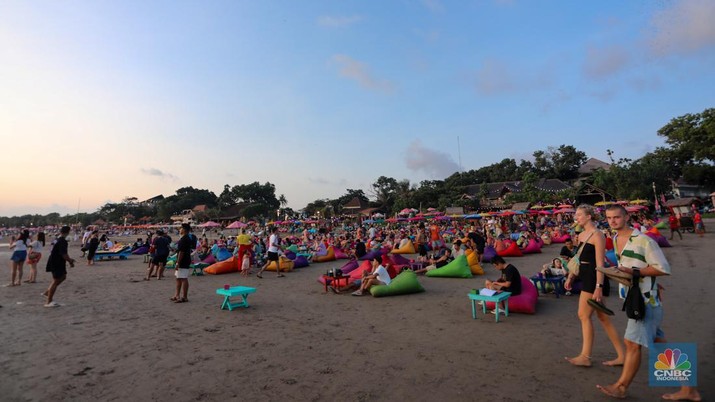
634	305
575	262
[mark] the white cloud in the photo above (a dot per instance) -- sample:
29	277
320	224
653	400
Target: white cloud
158	173
360	72
332	21
605	61
686	27
436	164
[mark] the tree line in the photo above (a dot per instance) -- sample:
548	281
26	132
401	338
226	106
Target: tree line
689	153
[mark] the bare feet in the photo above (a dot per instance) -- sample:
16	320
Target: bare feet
614	363
580	360
685	394
614	391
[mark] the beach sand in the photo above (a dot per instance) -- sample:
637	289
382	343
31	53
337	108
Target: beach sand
117	337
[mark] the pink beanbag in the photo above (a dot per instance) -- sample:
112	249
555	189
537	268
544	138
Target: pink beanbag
533	247
525	302
340	254
357	272
561	239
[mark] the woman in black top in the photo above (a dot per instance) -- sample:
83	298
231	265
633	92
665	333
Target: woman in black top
595	286
93	244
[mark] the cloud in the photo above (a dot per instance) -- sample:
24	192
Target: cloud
434	6
606	61
359	72
436	164
158	173
331	21
686	27
496	77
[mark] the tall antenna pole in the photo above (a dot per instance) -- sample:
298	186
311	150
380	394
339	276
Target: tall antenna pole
459	153
78	200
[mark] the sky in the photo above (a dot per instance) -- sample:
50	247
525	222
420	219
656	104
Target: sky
105	100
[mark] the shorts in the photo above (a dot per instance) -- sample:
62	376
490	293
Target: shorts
34	257
272	256
644	332
182	273
160	259
59	273
19	256
422	250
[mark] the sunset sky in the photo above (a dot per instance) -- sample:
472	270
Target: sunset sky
100	100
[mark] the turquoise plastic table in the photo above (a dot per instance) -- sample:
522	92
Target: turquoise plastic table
496	298
234	291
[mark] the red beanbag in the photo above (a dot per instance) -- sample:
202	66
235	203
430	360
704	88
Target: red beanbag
511	251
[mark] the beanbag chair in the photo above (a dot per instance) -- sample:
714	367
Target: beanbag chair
610	257
660	239
489	253
209	259
546	238
500	246
459	268
511	251
357	272
404	283
223	267
532	247
370	255
561	239
473	262
654	231
662	225
408	248
292	248
223	254
325	258
525	302
141	250
609	243
398	259
340	254
284	263
349	267
290	255
300	262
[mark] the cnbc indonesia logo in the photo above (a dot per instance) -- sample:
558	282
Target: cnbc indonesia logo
672	365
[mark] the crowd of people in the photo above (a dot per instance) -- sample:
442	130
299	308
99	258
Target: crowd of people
436	244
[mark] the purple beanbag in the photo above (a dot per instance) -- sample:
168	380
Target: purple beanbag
489	253
141	250
300	262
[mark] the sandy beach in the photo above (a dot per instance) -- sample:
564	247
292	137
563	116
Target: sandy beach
117	337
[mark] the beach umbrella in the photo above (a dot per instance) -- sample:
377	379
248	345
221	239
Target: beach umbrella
486	213
564	206
416	218
472	216
603	203
209	224
632	209
565	211
431	209
549	206
545	212
236	225
622	202
640	201
507	213
537	207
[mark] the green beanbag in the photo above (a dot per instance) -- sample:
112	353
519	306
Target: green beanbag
403	284
459	268
293	248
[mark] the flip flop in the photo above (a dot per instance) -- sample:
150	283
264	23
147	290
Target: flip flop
174	299
600	307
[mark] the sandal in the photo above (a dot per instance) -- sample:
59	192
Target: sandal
182	300
281	276
174	299
259	276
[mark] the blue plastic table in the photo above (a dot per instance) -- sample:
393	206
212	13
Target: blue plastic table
496	298
233	291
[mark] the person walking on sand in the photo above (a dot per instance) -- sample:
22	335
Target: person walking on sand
639	256
592	244
674	224
57	265
19	255
272	254
92	246
34	256
183	264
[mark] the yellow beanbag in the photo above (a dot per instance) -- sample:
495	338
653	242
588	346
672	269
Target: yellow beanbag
285	263
408	248
474	263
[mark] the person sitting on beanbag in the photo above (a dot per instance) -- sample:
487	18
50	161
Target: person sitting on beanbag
510	280
378	276
556	268
437	261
